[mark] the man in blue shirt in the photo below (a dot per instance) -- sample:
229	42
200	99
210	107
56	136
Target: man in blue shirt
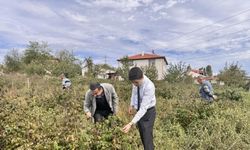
143	100
206	89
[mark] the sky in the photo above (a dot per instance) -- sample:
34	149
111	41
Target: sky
196	32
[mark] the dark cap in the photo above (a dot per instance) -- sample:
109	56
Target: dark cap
93	86
135	73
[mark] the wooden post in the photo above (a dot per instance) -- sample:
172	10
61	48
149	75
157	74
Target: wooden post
28	83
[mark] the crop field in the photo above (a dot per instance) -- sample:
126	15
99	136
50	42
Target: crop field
35	113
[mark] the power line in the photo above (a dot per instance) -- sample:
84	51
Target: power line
222	20
217	30
227	42
212	55
219	56
181	47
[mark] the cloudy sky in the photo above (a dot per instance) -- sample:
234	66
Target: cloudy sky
197	32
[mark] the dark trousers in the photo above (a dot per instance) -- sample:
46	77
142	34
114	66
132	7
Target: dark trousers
100	115
145	126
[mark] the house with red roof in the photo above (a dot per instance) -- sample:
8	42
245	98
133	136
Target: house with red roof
146	59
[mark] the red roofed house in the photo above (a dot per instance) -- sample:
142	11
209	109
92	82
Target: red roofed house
195	73
145	59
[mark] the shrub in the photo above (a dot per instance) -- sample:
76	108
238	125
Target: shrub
232	94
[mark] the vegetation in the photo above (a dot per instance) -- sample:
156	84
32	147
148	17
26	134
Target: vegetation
37	59
177	73
209	71
123	70
37	114
233	75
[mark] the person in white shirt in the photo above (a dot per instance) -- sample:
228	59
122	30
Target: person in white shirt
143	100
66	83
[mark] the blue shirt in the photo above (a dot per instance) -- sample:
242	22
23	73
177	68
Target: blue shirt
206	90
147	98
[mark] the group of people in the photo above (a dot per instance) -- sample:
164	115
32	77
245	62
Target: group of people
101	101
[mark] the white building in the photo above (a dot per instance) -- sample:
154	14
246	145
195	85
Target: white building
145	60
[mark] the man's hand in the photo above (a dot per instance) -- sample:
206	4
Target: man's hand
215	97
131	110
88	114
127	127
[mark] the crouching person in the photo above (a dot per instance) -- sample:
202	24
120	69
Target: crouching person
206	90
100	101
66	83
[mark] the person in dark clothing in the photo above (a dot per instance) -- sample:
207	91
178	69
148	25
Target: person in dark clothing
101	101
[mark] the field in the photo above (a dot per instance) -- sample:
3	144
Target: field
36	114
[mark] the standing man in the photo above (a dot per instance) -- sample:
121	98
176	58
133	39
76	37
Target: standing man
101	101
143	99
206	89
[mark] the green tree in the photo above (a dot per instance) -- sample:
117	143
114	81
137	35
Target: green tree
37	52
67	63
189	68
151	72
209	71
233	75
176	72
101	69
12	61
66	55
90	66
36	58
124	69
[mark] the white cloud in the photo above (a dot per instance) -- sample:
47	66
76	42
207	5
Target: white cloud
159	44
131	18
120	27
171	3
37	8
75	16
123	5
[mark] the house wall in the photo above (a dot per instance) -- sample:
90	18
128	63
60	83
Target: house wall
160	65
161	68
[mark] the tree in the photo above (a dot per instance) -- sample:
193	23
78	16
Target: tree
233	75
66	55
101	69
189	68
176	72
89	64
151	72
209	71
36	58
37	52
67	63
12	61
124	69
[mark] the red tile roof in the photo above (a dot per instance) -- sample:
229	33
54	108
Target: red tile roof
146	56
197	71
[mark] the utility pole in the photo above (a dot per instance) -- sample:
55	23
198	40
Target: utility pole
105	59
